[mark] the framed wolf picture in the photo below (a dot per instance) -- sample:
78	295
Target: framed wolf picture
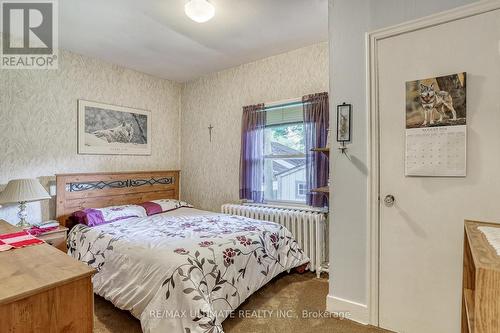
436	131
105	129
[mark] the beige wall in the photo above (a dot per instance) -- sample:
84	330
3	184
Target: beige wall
210	170
38	121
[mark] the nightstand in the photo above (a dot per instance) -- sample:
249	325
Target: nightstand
56	238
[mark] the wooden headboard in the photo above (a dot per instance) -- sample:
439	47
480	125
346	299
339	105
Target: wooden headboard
96	190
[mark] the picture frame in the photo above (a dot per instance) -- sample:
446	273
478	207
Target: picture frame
106	129
344	112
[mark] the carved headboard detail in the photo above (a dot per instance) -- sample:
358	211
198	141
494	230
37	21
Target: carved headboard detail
95	190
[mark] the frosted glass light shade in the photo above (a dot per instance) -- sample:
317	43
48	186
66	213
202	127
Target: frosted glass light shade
23	190
199	10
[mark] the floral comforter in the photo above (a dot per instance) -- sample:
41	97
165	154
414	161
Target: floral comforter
184	273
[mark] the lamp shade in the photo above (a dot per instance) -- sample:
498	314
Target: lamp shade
20	190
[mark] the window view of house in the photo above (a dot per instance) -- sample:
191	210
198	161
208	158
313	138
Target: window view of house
284	166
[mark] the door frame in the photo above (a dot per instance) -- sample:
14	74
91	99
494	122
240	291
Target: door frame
372	39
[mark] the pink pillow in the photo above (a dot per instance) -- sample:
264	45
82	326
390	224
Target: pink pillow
163	205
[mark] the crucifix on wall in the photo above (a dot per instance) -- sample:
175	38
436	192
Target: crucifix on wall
210	127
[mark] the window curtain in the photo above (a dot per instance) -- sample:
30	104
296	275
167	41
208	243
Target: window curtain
252	153
316	124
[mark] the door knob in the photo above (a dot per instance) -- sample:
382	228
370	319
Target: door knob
389	200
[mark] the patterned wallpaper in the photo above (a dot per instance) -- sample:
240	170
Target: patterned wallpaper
38	121
210	170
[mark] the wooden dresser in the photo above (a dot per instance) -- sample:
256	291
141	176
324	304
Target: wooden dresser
481	282
44	290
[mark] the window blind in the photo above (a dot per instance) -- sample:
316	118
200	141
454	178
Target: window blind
284	115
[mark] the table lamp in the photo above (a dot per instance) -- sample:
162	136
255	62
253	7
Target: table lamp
23	191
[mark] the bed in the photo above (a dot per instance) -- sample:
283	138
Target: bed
184	270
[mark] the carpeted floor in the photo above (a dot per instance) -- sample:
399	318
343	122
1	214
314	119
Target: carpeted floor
277	307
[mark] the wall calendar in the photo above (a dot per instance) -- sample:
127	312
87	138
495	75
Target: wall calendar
436	127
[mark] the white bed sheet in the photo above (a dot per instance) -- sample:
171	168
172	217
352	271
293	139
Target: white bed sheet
185	270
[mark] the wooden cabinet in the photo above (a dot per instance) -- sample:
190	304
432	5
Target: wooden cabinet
44	290
481	282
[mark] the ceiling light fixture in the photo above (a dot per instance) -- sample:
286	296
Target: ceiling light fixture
199	10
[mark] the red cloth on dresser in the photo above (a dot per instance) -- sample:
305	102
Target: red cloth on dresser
36	231
18	240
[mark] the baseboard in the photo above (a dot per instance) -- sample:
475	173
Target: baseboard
357	312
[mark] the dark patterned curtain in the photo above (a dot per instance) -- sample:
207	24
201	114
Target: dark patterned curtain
252	153
316	124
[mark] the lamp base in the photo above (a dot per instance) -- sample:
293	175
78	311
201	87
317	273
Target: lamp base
23	224
22	216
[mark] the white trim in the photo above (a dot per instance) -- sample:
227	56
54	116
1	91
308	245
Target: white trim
356	312
372	40
372	191
283	101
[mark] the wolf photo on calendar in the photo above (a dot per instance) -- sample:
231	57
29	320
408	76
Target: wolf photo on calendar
438	101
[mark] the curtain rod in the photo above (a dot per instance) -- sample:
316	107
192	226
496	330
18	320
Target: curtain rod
279	106
283	105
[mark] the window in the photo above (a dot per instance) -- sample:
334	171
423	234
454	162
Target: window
276	142
300	189
284	154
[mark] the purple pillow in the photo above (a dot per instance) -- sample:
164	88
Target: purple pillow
96	216
88	216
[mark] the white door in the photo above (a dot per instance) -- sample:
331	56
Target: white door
421	236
